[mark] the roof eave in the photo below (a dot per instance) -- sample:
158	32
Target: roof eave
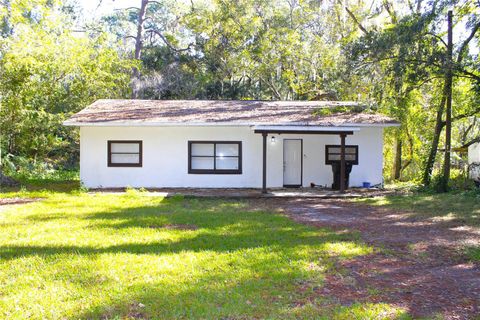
216	124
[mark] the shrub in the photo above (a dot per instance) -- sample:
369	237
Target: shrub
21	168
459	181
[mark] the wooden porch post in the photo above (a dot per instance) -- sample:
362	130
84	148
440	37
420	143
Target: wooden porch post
264	173
342	162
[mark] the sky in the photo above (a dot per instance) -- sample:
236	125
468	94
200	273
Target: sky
97	8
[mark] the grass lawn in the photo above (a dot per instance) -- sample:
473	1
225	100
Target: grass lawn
132	256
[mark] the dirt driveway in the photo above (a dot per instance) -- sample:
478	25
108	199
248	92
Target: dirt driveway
420	268
10	201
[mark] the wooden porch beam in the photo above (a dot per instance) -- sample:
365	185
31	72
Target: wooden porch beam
262	131
342	162
264	172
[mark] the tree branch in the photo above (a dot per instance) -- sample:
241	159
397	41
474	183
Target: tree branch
465	115
465	43
147	18
421	83
467	131
274	89
469	143
167	43
468	73
437	37
126	9
152	1
390	11
417	61
350	13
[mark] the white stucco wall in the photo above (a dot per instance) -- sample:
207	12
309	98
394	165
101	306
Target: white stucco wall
474	158
165	157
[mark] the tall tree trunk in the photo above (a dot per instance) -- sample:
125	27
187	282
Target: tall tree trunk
138	38
428	169
138	45
448	110
400	100
397	165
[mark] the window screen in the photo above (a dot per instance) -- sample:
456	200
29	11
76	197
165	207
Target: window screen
333	154
215	157
124	153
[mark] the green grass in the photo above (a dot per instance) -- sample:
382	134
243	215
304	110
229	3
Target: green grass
41	188
454	208
473	253
76	255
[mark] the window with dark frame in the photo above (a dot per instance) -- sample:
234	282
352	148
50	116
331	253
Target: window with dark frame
215	157
333	154
124	153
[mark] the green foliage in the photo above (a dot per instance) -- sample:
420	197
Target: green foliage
459	181
407	57
24	168
438	184
269	50
48	72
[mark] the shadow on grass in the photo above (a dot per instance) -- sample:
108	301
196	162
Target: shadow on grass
226	231
31	188
212	225
218	235
241	262
223	296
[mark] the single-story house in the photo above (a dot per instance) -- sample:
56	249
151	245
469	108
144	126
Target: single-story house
227	144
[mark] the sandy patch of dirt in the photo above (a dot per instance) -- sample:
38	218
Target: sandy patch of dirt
175	227
421	267
9	201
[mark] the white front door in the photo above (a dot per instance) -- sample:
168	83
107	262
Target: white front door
292	162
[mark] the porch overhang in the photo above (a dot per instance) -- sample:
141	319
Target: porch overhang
304	129
342	131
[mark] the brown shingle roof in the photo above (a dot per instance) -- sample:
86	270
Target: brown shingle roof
144	112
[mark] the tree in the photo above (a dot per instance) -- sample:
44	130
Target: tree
411	51
147	25
282	50
448	109
43	82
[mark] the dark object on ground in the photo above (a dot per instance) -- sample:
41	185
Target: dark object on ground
7	181
336	174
